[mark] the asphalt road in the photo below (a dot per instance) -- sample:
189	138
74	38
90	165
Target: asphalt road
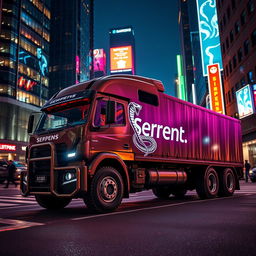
143	225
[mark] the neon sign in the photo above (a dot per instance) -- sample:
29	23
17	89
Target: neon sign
8	147
27	84
122	30
215	88
209	34
244	101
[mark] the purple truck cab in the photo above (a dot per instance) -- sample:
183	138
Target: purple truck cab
112	136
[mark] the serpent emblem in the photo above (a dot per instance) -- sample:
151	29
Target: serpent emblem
145	144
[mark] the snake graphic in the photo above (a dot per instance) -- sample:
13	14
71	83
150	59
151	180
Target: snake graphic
145	144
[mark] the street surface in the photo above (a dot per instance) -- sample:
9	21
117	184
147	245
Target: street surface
143	225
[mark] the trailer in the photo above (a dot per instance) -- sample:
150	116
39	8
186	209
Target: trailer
106	138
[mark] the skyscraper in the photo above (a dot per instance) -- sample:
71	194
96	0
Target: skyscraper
122	50
71	51
191	53
237	21
24	81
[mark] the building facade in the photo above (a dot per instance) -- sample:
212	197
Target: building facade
237	21
71	52
24	77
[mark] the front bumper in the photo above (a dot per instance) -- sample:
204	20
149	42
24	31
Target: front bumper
45	177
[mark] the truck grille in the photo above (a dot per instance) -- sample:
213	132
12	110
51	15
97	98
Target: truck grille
40	165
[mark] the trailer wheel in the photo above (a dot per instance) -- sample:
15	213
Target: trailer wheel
227	182
179	193
162	192
51	202
207	184
106	190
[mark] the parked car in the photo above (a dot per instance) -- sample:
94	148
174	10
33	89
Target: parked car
4	172
252	174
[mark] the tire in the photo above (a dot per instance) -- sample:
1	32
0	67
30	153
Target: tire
51	202
162	192
227	182
179	193
106	190
207	184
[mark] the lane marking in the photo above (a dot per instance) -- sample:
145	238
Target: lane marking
17	224
4	204
153	208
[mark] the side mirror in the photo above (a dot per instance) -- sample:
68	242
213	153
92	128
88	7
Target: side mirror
30	123
111	112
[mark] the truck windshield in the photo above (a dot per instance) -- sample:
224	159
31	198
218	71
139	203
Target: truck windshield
63	118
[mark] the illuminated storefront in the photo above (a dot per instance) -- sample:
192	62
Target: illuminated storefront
24	77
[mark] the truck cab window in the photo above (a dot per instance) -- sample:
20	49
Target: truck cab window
100	114
148	98
120	118
101	110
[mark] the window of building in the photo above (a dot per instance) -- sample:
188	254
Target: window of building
148	98
223	48
233	93
224	20
231	36
230	67
221	26
250	77
242	82
253	38
250	7
246	47
228	13
233	4
227	43
227	71
240	55
234	61
229	96
237	27
243	18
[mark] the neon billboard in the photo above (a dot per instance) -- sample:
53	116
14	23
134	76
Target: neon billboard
209	34
244	102
99	61
181	80
215	88
121	59
8	147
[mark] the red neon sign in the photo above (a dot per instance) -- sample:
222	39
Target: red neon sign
26	83
8	147
215	88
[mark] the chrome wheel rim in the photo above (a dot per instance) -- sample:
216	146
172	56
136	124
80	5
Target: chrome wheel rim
212	183
230	182
108	189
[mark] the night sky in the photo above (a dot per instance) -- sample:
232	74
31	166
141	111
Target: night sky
155	23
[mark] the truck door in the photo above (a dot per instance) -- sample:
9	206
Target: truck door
113	137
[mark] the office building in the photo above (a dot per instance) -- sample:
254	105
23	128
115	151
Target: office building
71	52
237	21
24	81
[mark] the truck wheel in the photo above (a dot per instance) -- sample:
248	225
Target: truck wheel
162	192
227	182
52	202
207	184
106	190
179	193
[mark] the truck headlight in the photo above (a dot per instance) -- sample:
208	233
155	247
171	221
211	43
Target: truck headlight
71	154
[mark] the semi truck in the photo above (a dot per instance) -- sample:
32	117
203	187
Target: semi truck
103	139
